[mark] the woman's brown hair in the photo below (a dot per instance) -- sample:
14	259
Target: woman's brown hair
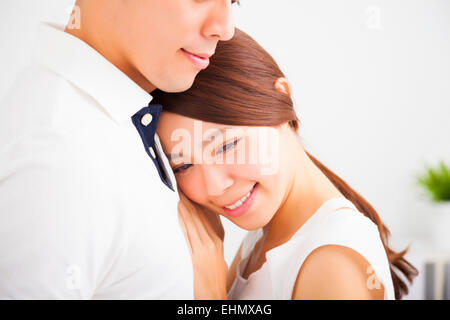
238	88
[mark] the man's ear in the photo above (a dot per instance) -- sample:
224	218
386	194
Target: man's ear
282	85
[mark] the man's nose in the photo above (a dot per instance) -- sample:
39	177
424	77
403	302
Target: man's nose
220	22
217	181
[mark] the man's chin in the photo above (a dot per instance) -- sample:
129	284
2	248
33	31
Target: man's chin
178	85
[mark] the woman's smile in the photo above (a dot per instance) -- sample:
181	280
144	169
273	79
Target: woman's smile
242	205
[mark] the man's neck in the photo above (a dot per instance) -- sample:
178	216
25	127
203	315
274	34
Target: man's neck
113	55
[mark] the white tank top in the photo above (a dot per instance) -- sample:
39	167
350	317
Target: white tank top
276	278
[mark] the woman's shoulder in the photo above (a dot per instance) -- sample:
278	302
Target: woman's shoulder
344	245
347	228
326	272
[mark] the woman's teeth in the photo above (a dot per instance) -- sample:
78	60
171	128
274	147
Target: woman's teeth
239	203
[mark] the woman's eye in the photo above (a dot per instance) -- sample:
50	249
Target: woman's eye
228	146
236	1
182	168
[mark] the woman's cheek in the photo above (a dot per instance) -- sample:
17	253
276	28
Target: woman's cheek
248	172
253	172
259	164
191	187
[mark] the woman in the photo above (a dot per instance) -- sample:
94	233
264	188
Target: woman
311	235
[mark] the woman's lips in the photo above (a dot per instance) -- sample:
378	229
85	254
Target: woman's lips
199	62
245	205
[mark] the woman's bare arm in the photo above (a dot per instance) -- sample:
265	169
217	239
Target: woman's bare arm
335	272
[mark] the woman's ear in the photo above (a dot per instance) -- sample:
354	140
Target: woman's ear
282	85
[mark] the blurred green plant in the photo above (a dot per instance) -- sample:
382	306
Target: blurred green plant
436	182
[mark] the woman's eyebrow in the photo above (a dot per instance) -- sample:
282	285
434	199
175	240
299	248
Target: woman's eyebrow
207	139
214	133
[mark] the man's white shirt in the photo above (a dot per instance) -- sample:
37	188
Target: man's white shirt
83	211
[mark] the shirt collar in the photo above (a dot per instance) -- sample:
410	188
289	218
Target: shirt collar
87	69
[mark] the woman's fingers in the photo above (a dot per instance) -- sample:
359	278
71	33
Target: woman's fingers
196	214
183	227
205	218
213	219
210	268
204	227
204	221
194	227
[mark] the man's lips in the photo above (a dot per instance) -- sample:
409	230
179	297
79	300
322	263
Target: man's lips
200	60
200	55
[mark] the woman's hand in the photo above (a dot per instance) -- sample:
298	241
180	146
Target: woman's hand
204	235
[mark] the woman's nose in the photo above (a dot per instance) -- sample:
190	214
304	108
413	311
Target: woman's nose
216	179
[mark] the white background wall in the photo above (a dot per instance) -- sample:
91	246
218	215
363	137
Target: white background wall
371	83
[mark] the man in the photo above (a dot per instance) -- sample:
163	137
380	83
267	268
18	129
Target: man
87	207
